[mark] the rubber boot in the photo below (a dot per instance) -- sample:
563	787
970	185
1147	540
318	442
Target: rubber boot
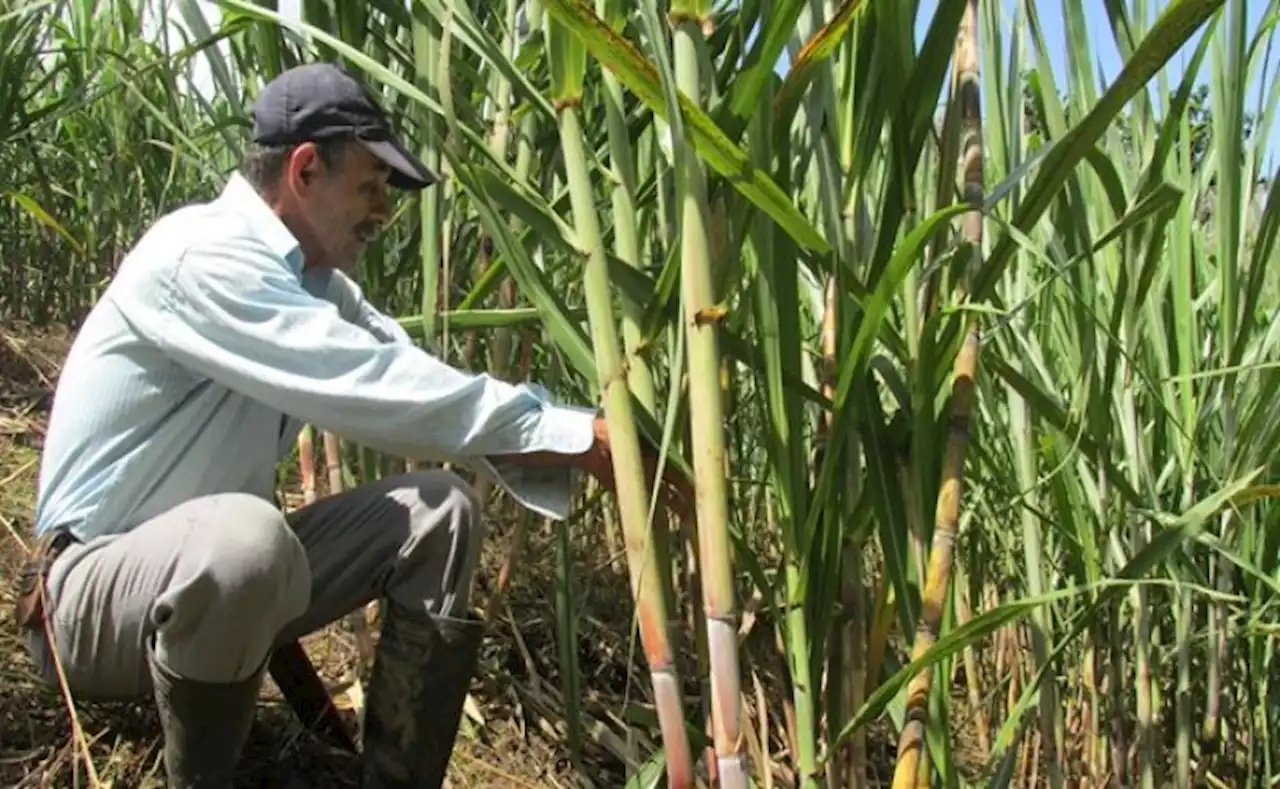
205	726
421	673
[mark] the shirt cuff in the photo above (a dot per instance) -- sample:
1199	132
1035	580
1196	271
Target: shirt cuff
548	490
566	429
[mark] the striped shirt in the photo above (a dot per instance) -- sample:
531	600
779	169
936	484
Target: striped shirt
210	349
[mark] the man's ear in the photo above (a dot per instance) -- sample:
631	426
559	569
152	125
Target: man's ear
302	166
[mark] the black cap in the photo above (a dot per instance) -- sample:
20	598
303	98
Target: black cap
319	101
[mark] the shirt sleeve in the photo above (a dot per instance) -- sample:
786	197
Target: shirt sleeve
383	326
234	312
344	292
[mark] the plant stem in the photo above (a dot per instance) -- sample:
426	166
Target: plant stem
646	574
706	412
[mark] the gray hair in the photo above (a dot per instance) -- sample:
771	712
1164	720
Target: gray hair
262	165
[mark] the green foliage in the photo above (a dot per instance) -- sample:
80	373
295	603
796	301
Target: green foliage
1114	516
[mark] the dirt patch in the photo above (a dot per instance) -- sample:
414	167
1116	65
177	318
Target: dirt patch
30	359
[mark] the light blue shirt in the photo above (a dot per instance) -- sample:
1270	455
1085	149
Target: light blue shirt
211	348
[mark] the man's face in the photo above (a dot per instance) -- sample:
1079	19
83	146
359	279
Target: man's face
339	206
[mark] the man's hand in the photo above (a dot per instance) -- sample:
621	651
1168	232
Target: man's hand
676	492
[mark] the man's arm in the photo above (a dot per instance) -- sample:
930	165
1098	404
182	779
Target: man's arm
343	292
233	311
598	462
382	325
349	297
676	492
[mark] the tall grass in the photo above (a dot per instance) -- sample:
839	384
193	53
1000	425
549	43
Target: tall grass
809	289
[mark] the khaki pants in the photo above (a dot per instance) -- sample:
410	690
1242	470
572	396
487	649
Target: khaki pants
221	580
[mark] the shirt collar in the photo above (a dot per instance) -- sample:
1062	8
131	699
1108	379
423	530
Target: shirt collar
242	198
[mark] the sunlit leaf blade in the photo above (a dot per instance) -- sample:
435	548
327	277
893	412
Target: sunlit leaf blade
636	72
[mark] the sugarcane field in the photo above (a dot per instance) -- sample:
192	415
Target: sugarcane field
733	393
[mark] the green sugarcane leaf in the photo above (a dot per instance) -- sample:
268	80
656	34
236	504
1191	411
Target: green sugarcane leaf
815	53
483	319
1171	31
635	71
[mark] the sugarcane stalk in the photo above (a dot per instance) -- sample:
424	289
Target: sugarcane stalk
1144	703
847	653
850	772
568	67
500	352
825	125
1182	771
1032	549
626	239
499	356
426	48
688	18
1119	735
307	463
858	658
972	671
1095	747
777	310
964	376
1230	68
333	461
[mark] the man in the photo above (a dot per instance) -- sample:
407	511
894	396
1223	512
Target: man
229	325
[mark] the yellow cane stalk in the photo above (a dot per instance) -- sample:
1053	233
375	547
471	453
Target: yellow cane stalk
938	576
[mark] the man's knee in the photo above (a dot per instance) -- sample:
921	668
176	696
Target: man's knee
257	559
446	534
244	577
442	497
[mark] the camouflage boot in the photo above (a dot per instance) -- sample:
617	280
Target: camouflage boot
205	726
421	672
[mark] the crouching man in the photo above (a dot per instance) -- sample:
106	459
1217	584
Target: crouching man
167	571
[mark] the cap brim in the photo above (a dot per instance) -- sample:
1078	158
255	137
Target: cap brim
407	170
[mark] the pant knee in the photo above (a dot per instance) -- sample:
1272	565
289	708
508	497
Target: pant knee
438	499
245	577
446	535
259	561
467	512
